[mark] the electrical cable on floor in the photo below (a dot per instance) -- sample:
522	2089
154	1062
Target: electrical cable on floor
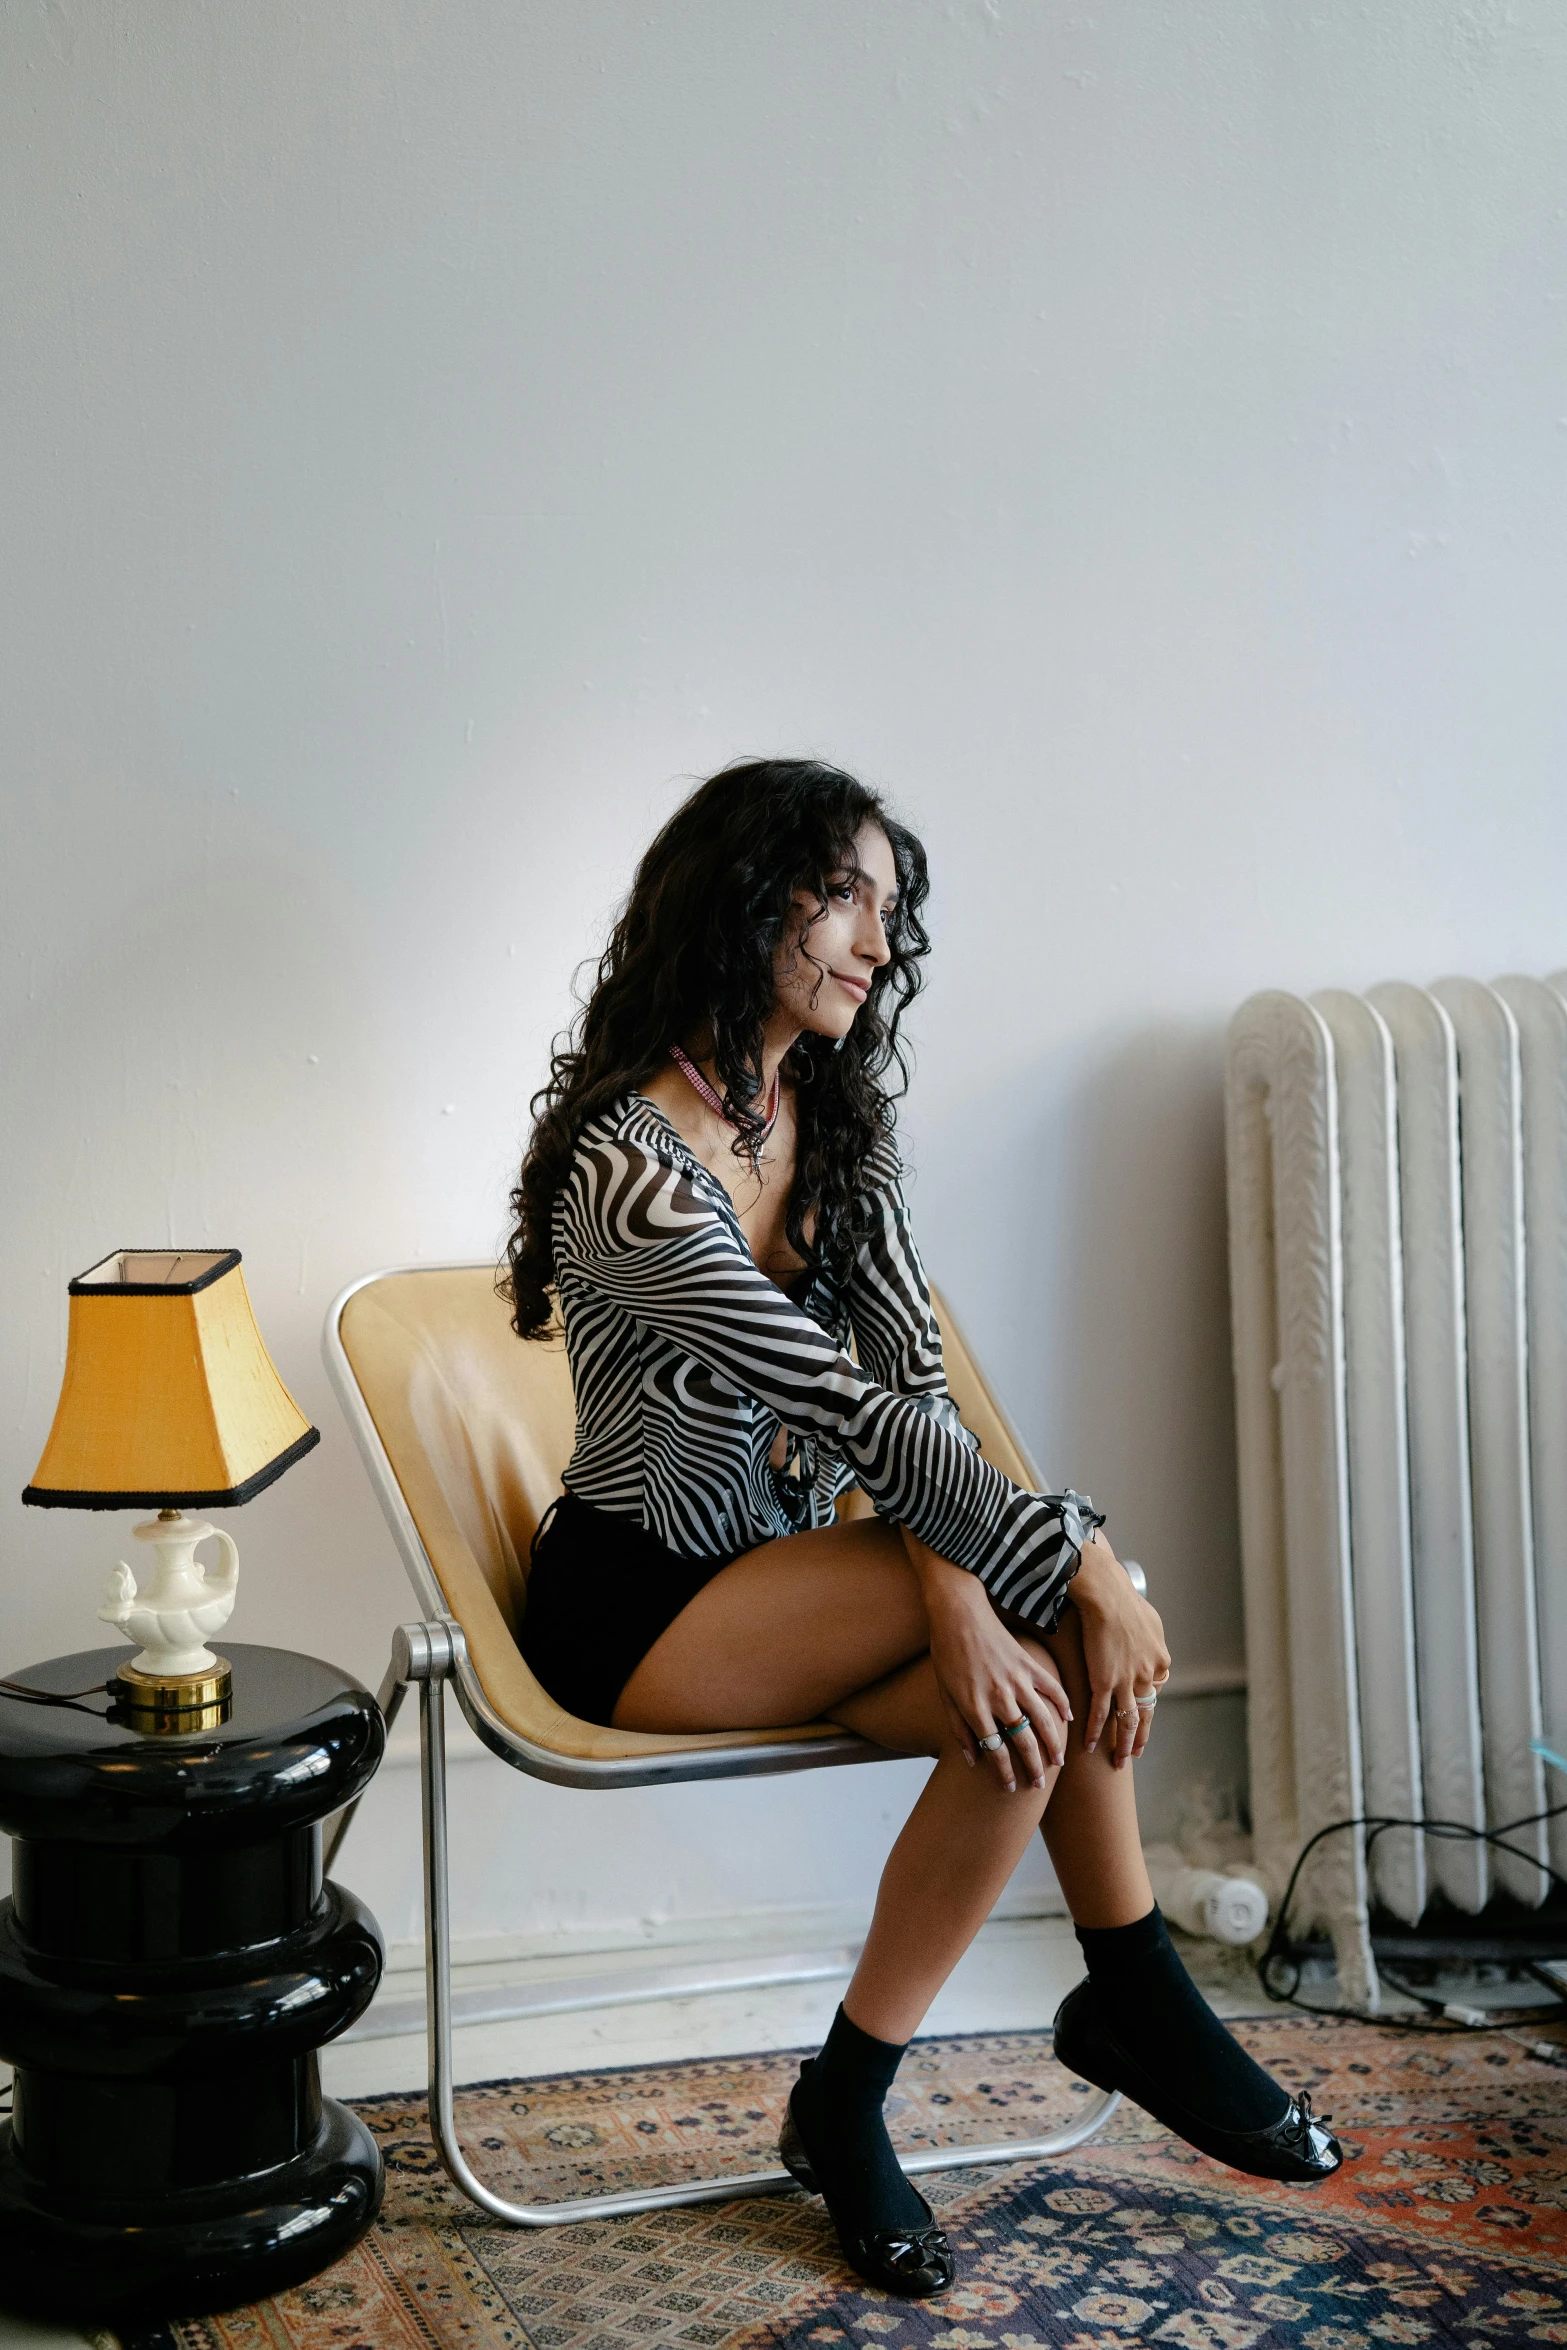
1446	2018
1545	2051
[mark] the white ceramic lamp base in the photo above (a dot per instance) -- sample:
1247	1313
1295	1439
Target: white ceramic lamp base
180	1605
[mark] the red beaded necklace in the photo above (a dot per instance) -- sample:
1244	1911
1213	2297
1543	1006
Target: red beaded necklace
693	1076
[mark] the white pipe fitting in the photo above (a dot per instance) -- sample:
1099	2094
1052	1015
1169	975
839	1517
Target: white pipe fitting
1217	1906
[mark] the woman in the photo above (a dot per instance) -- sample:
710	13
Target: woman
712	1193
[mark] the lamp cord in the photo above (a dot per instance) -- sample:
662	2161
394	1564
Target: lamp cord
1282	1951
69	1697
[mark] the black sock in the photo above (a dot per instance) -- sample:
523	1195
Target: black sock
838	2101
1162	2020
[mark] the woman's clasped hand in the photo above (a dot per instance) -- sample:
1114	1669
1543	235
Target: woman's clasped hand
1002	1695
1123	1649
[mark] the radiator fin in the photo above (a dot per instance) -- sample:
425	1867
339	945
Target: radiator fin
1381	1570
1540	1009
1490	1129
1301	1671
1436	1358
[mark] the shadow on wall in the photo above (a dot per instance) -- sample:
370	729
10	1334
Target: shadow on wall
1150	1411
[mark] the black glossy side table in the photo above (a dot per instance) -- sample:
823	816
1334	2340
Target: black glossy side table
170	1963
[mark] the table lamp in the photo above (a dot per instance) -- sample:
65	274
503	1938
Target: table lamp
170	1401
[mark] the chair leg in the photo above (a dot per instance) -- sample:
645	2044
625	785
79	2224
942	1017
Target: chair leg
431	1669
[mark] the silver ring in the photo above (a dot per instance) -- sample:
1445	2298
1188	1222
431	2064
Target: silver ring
1147	1704
989	1745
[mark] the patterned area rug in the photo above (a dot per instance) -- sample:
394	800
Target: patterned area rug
1448	2225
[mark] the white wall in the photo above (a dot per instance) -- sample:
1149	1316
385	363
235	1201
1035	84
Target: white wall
434	429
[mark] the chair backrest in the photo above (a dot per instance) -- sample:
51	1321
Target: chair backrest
478	1426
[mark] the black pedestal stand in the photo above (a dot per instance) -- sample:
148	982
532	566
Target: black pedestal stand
169	1965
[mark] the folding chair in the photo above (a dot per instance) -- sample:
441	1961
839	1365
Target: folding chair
465	1431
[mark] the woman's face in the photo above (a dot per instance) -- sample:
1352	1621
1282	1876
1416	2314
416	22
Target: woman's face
824	967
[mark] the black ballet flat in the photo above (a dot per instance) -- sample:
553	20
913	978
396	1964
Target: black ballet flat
1297	2149
914	2263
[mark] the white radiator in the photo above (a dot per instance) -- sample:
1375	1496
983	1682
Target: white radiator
1398	1266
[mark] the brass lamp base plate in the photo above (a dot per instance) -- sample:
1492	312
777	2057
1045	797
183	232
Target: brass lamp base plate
177	1701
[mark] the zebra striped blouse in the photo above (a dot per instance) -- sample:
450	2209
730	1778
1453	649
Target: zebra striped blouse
686	1360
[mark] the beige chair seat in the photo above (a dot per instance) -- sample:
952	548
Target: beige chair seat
475	1427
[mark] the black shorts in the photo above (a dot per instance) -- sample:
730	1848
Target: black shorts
601	1591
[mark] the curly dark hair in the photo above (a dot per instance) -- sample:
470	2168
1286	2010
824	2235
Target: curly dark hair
692	954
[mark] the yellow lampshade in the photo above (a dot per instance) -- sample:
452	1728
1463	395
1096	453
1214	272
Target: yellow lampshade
170	1399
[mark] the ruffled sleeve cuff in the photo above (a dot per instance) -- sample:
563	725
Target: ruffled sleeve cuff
1079	1521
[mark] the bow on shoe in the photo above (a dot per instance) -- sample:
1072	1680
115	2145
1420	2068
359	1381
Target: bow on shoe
915	2257
1304	2132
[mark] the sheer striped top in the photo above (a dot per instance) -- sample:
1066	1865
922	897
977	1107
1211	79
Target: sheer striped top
686	1359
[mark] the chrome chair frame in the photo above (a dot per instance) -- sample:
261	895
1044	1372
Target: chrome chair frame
432	1653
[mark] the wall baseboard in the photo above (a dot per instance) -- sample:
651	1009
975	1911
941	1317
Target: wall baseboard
498	1978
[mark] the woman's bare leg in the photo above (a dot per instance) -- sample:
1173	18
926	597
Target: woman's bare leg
963	1840
1090	1829
783	1634
949	1866
833	1624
